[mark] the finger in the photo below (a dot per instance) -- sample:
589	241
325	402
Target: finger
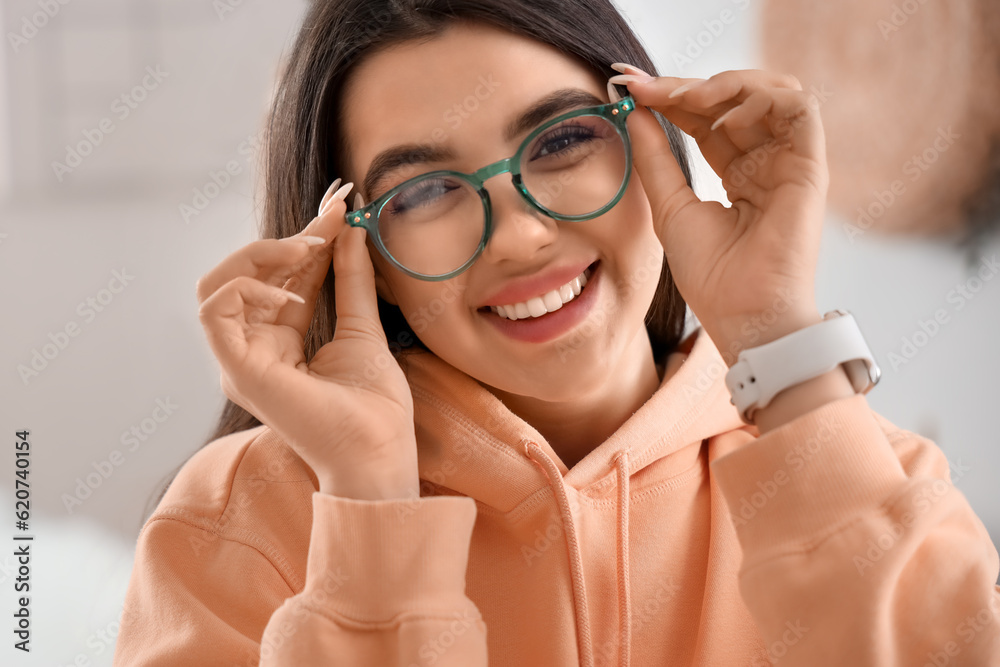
740	180
251	260
751	89
738	169
355	296
309	273
661	176
326	197
717	147
732	87
274	261
709	99
323	226
749	97
225	318
791	116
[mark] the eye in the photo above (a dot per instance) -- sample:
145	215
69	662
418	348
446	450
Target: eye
420	194
561	138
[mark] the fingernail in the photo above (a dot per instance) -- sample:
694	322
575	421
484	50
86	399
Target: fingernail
339	194
625	67
718	121
292	295
630	78
309	239
359	201
322	202
613	93
686	87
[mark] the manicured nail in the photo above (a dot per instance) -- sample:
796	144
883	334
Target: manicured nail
624	79
291	295
338	195
723	117
613	93
309	239
322	202
686	87
359	201
625	68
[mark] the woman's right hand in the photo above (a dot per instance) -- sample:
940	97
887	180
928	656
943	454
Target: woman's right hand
347	413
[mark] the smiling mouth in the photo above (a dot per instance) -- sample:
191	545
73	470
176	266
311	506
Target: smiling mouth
527	316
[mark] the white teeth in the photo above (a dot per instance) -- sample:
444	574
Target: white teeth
552	301
547	303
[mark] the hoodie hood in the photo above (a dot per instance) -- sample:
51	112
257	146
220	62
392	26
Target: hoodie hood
470	443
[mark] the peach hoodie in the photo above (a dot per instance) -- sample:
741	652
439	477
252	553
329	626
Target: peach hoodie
684	539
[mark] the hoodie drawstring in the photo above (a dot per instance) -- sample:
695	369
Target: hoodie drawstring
624	601
584	641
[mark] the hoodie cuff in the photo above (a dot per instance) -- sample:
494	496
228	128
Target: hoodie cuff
370	560
808	477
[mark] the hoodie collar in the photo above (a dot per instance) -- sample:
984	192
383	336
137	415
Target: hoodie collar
469	441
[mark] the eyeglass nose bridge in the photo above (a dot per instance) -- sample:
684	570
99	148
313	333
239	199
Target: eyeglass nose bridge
504	166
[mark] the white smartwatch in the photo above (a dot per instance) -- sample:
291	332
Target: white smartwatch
761	372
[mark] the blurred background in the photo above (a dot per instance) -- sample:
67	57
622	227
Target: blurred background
129	135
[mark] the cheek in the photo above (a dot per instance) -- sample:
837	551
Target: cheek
432	308
636	209
639	249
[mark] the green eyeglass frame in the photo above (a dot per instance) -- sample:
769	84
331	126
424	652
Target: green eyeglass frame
368	215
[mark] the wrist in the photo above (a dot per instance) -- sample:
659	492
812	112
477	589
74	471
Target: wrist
385	485
801	370
757	331
369	491
799	399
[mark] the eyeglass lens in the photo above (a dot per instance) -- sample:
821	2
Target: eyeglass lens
573	168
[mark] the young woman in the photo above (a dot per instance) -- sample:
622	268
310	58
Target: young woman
479	436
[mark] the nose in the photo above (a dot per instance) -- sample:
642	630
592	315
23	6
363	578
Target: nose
519	230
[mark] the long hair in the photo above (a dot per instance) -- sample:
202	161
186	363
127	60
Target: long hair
304	138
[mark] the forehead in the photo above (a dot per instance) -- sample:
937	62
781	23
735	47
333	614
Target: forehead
458	89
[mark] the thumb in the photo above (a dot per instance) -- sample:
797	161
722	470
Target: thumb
661	176
354	285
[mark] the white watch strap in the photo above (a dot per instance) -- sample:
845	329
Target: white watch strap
761	372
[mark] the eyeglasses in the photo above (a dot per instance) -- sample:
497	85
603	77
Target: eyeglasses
574	167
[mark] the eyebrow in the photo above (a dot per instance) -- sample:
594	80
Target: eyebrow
556	102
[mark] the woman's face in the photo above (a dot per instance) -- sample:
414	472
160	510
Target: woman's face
461	91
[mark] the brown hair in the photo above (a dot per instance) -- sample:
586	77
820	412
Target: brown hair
303	139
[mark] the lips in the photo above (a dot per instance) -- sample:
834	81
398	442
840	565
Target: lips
552	325
521	290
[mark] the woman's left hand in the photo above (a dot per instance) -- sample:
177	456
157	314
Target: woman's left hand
746	271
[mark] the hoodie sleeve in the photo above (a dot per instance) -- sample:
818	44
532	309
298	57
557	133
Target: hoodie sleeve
857	548
384	586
